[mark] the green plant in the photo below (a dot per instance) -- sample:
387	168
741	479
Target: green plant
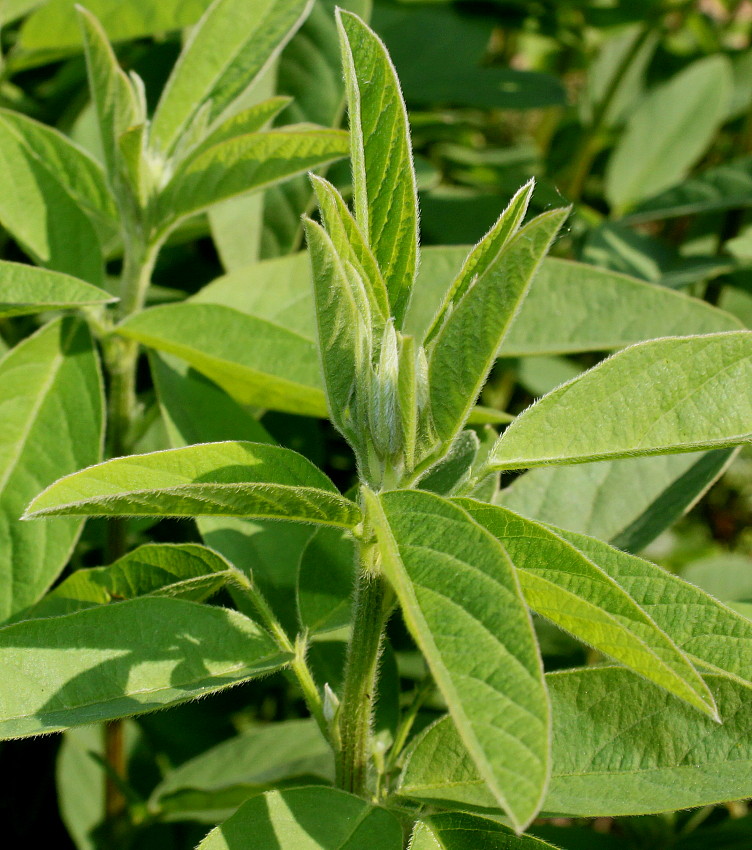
426	531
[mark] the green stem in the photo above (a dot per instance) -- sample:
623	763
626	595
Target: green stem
371	607
298	664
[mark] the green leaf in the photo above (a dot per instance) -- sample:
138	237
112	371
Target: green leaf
53	27
225	479
453	470
234	41
197	411
465	347
79	175
243	164
40	207
326	577
620	747
461	600
53	420
461	831
669	131
384	189
727	576
115	100
184	570
571	591
572	307
483	256
344	329
628	502
669	395
26	289
708	631
292	820
279	370
114	661
212	785
722	187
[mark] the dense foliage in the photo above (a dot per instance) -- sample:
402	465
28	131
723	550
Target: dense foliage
269	433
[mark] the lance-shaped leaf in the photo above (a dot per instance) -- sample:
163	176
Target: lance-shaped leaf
243	164
669	131
461	831
52	406
25	289
483	255
292	820
708	631
351	246
212	785
628	502
114	661
466	346
114	97
183	570
461	600
620	747
256	361
670	395
386	200
220	479
344	326
232	43
570	590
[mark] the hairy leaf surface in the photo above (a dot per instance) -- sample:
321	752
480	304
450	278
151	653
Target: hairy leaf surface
670	395
461	600
226	479
25	289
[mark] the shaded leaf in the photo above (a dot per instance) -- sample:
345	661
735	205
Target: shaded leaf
114	661
291	820
460	831
52	404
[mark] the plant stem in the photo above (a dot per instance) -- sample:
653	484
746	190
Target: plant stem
298	665
371	607
120	357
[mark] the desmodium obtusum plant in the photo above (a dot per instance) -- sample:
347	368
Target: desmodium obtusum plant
427	532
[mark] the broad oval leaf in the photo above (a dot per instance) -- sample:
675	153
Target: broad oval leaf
465	347
255	361
182	570
244	164
221	479
52	404
292	820
210	786
26	289
461	600
620	747
461	831
669	131
326	577
559	583
232	43
384	188
114	661
670	395
708	631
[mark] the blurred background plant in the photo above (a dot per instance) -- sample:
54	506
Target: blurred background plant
639	113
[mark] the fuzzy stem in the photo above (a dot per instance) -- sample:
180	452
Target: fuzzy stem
370	611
